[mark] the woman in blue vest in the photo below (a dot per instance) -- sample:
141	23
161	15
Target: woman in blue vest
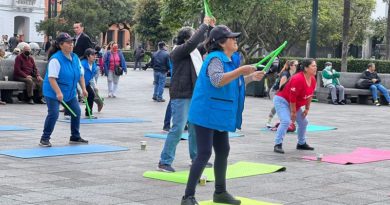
90	68
63	73
216	108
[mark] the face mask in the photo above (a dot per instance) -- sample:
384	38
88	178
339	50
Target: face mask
27	53
328	67
115	49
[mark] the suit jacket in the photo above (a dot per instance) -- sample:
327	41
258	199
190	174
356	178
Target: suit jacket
82	44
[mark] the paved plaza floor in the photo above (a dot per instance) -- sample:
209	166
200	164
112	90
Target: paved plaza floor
116	177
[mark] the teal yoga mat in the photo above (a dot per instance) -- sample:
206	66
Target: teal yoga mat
107	120
184	136
310	128
13	128
60	151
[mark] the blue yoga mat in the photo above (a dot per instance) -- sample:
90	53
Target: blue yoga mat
107	120
60	151
310	128
13	128
184	136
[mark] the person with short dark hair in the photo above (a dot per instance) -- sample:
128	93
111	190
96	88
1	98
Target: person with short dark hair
82	40
330	79
373	77
297	93
25	70
160	64
139	54
216	109
89	66
64	71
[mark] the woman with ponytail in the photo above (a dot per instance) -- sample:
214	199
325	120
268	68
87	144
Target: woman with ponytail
297	92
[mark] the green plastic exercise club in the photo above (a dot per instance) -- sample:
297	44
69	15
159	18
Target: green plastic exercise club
67	107
272	55
88	108
207	10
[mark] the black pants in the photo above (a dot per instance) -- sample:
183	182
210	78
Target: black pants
206	139
90	98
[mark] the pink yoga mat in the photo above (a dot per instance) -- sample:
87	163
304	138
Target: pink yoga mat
358	156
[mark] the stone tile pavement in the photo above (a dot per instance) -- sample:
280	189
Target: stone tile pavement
116	177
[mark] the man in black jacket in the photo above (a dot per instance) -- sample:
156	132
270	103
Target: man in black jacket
371	75
160	64
138	56
187	60
82	40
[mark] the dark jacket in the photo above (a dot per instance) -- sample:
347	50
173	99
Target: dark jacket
160	61
82	44
369	76
139	53
184	75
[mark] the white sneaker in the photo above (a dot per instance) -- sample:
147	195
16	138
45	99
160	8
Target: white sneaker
67	117
268	125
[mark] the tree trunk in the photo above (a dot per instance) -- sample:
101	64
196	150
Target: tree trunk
388	33
345	47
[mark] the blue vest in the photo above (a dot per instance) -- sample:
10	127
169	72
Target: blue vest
88	74
218	108
68	77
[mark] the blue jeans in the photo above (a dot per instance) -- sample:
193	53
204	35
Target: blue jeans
180	109
52	116
168	116
283	110
374	90
159	79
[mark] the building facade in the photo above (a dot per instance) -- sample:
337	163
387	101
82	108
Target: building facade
20	17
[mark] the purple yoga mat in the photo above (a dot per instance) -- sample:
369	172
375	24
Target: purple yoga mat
358	156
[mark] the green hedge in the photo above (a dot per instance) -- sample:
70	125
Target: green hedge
129	56
354	65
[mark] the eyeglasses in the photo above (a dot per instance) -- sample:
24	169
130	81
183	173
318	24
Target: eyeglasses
294	65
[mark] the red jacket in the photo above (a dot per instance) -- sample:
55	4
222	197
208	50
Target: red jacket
25	66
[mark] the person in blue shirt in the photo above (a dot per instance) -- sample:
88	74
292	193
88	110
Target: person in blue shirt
90	67
216	108
64	71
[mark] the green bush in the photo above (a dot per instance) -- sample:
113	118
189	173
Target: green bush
354	65
129	56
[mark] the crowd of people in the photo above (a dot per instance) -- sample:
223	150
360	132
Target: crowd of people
207	92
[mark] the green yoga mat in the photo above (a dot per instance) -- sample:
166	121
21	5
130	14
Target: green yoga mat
244	201
237	170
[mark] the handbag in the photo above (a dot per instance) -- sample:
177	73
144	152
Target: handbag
363	83
118	70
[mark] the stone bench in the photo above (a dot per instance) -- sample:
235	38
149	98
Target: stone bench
352	94
11	88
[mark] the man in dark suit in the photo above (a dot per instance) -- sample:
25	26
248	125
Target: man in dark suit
82	40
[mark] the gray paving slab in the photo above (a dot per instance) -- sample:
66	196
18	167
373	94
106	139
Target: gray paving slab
116	178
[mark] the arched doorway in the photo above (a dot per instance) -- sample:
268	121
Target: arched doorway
22	27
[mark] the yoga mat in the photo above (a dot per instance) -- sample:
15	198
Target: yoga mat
244	201
13	128
359	156
237	170
60	151
310	128
107	120
184	136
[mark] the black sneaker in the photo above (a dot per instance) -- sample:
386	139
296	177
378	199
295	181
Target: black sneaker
92	117
189	201
225	198
78	141
165	168
377	103
304	147
341	102
334	102
161	100
154	98
45	143
278	149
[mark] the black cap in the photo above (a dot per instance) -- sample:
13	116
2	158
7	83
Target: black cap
161	44
222	31
64	37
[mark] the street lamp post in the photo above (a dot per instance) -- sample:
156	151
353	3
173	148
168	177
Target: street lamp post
313	32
